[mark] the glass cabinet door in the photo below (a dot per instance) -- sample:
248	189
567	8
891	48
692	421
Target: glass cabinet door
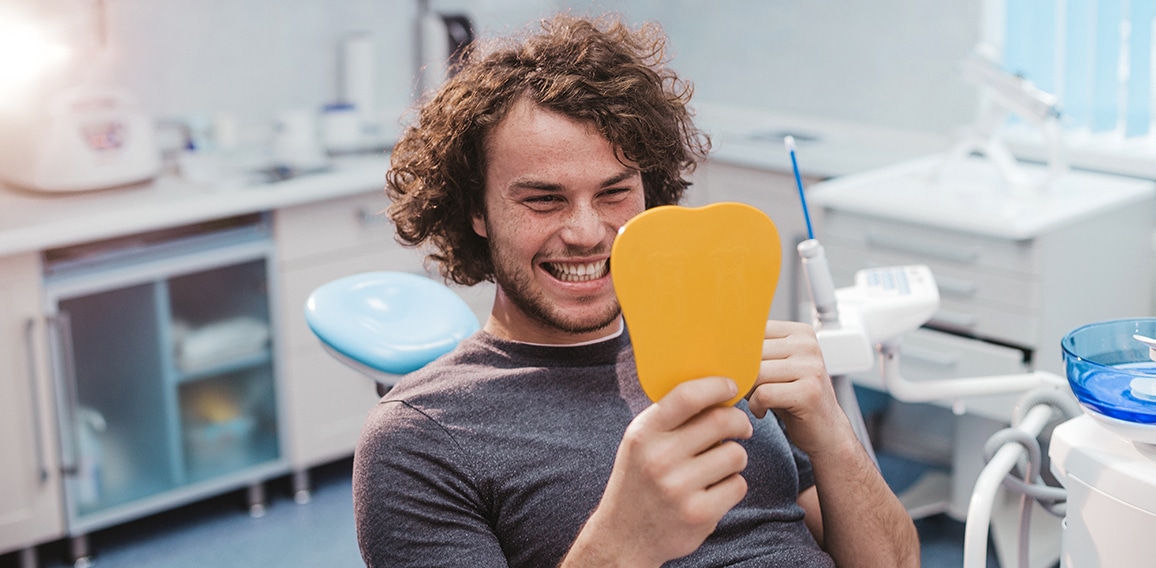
164	366
119	416
222	364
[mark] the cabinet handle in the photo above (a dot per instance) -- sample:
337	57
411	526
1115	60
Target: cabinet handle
34	384
66	387
911	246
955	319
956	286
930	356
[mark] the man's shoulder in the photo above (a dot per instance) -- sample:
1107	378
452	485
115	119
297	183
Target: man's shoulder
472	371
471	357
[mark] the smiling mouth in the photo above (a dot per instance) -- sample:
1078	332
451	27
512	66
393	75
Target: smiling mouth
578	271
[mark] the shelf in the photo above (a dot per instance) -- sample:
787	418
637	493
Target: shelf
226	366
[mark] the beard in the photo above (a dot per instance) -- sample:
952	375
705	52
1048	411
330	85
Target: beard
518	285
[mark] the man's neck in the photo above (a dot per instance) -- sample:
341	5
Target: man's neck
496	327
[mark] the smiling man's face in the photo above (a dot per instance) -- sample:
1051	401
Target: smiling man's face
556	194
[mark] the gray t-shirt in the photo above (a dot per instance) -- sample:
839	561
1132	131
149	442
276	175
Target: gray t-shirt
497	453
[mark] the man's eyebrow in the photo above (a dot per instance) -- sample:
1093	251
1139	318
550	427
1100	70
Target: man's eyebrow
621	177
548	186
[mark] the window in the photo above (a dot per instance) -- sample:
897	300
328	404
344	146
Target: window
1096	56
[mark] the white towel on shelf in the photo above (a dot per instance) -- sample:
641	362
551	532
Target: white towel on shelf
217	342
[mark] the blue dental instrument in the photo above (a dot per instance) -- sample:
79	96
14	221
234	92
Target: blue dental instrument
789	141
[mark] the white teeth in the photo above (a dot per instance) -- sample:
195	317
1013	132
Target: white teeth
579	272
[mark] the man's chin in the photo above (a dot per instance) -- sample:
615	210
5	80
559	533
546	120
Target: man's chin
580	324
586	327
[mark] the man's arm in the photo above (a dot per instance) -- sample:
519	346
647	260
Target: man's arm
863	522
412	506
674	477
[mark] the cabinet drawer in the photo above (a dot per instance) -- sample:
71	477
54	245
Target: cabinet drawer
979	317
319	228
962	250
929	355
956	283
991	322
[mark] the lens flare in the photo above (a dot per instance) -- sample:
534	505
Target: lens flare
26	53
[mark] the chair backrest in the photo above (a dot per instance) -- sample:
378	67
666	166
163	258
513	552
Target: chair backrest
387	324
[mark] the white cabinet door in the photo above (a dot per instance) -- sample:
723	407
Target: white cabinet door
30	507
325	401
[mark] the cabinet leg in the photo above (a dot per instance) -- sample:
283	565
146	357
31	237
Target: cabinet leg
301	493
256	499
79	551
28	558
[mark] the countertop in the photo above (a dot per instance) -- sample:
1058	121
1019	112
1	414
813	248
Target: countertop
826	148
32	221
971	197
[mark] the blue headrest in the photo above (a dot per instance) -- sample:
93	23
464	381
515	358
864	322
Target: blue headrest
394	322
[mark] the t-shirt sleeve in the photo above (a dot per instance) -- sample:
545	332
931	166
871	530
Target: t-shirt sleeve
803	464
416	502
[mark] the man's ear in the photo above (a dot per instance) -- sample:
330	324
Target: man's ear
479	223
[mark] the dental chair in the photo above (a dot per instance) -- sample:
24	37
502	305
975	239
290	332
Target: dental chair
388	324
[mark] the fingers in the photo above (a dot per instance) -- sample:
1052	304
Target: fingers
717	464
706	429
783	339
792	375
690	420
688	399
722	496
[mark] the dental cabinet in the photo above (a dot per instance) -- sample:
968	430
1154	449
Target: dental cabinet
153	349
1017	269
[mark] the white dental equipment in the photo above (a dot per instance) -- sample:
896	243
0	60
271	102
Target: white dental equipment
1005	94
1106	464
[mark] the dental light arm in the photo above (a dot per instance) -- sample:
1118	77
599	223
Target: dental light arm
1009	94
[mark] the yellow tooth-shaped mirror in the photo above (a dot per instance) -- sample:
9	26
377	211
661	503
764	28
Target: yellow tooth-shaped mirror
696	285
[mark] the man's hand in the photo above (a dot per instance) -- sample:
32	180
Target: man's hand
793	382
676	474
855	516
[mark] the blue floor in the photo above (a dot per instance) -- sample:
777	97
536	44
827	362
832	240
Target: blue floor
218	532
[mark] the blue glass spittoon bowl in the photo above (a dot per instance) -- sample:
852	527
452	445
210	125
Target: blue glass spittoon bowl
1111	367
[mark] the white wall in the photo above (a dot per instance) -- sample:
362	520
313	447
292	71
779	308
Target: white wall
890	62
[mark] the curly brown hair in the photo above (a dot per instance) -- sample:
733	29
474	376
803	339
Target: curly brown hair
596	71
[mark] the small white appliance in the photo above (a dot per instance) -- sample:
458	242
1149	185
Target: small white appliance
1106	459
1111	484
79	140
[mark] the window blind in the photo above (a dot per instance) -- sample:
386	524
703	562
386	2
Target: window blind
1096	56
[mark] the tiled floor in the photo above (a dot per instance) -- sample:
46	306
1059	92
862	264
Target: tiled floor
219	533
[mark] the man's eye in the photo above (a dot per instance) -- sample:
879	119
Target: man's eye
542	199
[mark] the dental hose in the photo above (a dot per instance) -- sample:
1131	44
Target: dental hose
1031	486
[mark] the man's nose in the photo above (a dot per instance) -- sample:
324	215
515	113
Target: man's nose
584	227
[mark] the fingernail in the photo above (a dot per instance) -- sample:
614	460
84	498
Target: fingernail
733	387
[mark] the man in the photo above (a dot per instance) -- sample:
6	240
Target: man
532	443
